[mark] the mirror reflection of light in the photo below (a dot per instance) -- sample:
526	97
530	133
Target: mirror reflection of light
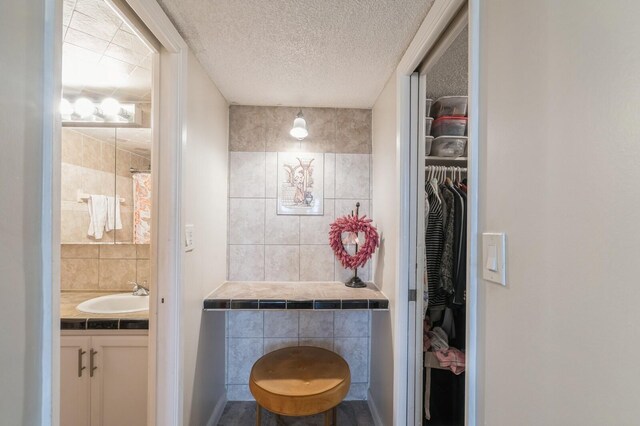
66	108
110	107
83	107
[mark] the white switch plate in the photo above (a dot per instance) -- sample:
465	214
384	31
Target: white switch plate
188	238
494	262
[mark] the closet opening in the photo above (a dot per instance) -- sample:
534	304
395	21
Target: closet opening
441	225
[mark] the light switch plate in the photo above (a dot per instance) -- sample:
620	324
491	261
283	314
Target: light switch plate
494	262
188	238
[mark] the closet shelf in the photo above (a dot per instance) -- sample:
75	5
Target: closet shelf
445	161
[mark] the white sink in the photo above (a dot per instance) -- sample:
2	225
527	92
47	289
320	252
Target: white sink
115	304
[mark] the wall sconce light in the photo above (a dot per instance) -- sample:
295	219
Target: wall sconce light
299	130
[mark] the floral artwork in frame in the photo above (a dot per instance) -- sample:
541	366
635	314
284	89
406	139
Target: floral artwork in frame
300	184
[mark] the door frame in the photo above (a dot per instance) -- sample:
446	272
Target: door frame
434	25
165	348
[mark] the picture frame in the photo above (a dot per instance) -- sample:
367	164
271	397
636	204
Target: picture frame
300	184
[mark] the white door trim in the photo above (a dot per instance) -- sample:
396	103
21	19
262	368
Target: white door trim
165	340
438	18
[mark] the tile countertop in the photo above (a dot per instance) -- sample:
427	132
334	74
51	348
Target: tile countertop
330	295
73	319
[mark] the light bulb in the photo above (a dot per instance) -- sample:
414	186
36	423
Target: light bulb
299	130
65	107
83	107
110	107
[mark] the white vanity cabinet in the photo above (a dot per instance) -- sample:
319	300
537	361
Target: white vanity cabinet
103	380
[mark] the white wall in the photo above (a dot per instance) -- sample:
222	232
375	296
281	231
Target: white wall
21	212
560	156
204	269
385	213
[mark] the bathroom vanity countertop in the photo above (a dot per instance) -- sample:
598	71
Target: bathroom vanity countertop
331	295
73	319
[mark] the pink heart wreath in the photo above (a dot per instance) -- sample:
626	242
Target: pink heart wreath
353	224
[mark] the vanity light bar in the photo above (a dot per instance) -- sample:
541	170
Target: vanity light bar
84	111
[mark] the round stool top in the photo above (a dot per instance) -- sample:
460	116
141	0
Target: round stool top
300	380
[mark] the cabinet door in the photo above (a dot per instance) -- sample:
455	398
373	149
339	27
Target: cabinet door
75	385
119	382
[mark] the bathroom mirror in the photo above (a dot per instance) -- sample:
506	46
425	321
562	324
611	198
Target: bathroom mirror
106	185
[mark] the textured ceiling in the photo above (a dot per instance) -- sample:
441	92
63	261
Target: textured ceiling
335	53
101	56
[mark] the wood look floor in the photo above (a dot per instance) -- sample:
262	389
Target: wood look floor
350	413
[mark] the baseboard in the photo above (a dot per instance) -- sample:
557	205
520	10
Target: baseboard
217	411
374	410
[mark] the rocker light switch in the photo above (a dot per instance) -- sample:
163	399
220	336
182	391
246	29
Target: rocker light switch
494	258
188	238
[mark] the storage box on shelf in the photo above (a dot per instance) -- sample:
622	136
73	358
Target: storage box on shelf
428	121
449	126
449	146
428	142
450	106
427	108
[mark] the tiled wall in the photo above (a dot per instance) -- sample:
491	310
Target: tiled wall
267	246
103	267
95	167
250	334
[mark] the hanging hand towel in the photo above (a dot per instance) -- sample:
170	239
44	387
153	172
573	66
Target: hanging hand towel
97	215
113	214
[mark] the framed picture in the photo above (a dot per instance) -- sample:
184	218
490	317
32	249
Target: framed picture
300	183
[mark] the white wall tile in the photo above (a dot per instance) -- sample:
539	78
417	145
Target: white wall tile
343	274
355	350
274	343
281	323
316	324
246	263
280	229
329	175
351	324
271	187
352	176
247	174
246	220
239	393
315	229
344	207
316	263
318	342
282	263
245	323
243	353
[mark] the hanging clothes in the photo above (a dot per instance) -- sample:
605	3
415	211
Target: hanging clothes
434	241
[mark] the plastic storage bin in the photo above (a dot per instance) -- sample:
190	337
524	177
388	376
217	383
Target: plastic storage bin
450	106
449	146
427	107
449	126
428	142
428	121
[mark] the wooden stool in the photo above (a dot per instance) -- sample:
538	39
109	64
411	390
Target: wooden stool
300	381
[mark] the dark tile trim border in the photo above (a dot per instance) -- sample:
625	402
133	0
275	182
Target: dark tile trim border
327	304
272	304
73	324
299	304
337	304
355	304
103	324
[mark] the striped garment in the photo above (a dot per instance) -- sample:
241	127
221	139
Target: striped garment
433	243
